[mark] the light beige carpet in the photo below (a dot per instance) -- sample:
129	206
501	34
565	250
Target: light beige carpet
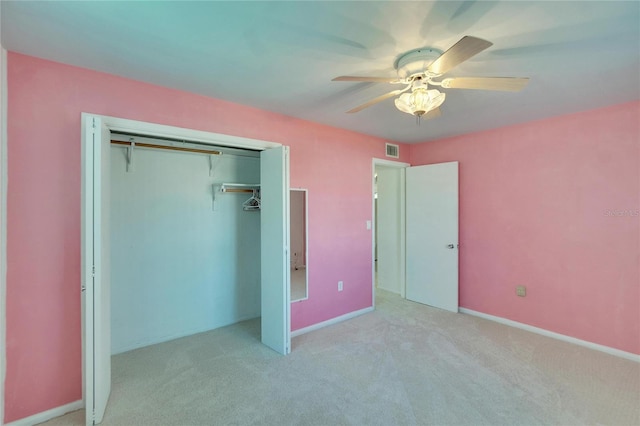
404	364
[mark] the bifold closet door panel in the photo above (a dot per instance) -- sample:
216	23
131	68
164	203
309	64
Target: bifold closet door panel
178	266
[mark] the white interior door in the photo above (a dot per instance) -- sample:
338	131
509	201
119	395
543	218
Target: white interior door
274	245
96	267
432	235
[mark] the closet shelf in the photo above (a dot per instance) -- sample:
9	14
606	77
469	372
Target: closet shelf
251	204
239	187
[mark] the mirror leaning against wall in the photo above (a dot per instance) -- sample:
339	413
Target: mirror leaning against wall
298	235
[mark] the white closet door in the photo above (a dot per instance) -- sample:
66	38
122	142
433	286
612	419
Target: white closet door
432	235
96	267
274	239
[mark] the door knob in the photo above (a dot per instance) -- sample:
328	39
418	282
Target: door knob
450	246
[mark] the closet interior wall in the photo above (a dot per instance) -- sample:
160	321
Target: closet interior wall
180	262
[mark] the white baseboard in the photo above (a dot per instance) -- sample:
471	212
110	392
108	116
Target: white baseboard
606	349
48	415
331	321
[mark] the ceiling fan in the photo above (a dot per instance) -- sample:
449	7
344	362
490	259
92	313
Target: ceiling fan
418	68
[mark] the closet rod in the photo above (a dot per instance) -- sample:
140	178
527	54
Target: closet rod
239	190
172	148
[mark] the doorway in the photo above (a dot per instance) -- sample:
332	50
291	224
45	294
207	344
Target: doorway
388	226
415	238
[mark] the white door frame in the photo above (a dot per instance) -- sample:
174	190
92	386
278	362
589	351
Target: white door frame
165	131
397	165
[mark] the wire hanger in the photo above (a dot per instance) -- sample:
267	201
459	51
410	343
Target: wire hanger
252	203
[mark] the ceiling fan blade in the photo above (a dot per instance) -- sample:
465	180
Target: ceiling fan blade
375	101
464	49
369	79
508	84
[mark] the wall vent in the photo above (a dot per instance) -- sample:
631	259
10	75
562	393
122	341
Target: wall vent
393	151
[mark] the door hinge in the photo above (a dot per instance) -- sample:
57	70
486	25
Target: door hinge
93	271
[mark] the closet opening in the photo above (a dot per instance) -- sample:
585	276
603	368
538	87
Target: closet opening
185	250
165	220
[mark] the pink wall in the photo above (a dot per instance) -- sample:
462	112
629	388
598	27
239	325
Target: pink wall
43	254
533	211
2	230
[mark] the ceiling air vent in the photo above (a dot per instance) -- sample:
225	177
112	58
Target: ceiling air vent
393	151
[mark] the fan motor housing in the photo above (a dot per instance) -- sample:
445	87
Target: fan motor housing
416	62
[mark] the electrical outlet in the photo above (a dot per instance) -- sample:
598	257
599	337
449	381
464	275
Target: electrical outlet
521	291
340	285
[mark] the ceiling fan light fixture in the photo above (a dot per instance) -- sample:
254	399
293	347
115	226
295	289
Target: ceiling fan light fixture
418	68
420	101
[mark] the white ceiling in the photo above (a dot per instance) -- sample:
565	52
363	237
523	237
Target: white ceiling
281	56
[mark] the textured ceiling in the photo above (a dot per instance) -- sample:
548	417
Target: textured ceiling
281	56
